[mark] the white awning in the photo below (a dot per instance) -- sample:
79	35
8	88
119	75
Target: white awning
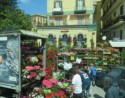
117	43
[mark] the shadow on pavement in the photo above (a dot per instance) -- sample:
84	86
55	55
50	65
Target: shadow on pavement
97	96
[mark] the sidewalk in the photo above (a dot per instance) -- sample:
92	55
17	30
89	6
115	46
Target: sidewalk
97	92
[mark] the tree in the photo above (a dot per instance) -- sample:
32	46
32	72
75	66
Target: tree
12	18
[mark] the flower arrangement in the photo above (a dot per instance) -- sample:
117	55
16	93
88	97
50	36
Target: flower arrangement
59	75
31	72
33	59
51	89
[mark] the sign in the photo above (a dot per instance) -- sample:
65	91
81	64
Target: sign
64	31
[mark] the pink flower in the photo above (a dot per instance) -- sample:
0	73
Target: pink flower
54	81
29	68
68	80
47	83
33	74
37	67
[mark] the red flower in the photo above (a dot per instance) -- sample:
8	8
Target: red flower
33	74
54	93
47	83
60	93
49	96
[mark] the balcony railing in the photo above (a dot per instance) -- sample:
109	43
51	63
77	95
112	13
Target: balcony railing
112	22
57	11
80	10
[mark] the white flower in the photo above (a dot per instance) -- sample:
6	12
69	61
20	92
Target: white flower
34	59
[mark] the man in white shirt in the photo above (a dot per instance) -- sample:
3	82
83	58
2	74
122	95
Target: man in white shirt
76	84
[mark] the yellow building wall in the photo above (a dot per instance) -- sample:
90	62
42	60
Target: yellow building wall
68	6
72	32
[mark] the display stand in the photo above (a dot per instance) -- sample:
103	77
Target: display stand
20	52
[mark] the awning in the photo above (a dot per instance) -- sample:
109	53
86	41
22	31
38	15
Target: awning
117	43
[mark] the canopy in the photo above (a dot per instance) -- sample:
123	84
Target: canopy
117	43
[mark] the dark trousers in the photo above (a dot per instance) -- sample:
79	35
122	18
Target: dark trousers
77	95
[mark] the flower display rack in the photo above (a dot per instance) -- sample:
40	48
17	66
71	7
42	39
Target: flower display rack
23	60
99	56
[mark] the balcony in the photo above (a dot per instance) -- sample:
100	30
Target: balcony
80	10
114	23
57	11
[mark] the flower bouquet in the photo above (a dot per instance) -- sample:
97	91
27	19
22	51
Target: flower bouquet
31	72
51	89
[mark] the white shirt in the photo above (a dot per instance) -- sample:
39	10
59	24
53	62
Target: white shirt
78	84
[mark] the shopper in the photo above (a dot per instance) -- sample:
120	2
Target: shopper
111	90
76	83
93	72
86	82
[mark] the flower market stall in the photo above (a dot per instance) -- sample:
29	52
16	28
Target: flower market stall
23	62
53	85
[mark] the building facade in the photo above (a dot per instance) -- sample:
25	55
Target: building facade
113	20
97	18
39	20
70	23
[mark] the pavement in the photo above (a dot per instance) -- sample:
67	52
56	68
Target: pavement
97	92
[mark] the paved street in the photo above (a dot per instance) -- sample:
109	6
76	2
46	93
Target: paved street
97	92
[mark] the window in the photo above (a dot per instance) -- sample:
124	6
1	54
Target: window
121	10
79	4
58	21
94	7
80	20
58	4
80	39
121	33
114	34
65	39
51	39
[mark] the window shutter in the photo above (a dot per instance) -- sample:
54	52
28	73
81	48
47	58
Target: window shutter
54	4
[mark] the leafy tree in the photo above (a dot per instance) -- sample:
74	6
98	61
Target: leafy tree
12	18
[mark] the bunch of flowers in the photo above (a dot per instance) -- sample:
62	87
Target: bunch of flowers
51	89
33	59
59	75
32	72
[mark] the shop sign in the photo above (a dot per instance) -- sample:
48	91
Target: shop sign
64	31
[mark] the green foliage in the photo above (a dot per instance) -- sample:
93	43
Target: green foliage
12	18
